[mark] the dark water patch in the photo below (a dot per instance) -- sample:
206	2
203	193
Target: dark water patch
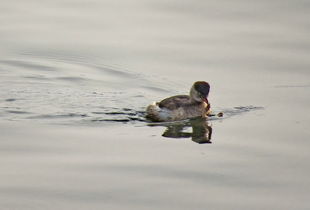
122	120
111	120
36	77
27	65
122	115
57	116
124	111
10	99
98	112
127	109
17	112
138	118
72	79
114	113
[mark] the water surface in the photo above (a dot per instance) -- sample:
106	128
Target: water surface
76	76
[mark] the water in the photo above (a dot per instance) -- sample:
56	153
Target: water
76	76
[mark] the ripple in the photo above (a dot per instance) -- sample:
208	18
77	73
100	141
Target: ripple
36	77
27	65
100	93
17	112
238	110
114	72
124	115
57	116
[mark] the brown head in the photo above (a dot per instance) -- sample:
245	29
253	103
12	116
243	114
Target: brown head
200	91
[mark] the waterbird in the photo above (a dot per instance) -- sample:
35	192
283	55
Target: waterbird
181	107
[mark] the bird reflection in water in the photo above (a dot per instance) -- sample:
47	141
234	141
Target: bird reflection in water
201	130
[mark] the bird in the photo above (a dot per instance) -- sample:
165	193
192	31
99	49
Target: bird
181	107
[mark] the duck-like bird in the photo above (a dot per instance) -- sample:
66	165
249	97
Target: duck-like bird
182	107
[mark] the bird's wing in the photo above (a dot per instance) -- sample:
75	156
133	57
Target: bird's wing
174	102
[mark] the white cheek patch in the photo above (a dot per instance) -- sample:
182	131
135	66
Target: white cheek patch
197	98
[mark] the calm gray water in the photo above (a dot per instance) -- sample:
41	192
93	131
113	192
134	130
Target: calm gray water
76	76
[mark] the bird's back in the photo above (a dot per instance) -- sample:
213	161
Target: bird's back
175	102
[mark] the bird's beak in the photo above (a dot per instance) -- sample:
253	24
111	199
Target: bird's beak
205	99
